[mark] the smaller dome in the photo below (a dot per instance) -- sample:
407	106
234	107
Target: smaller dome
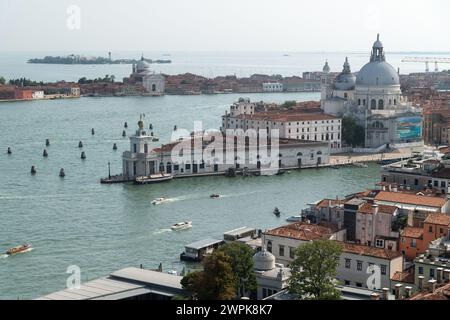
142	65
346	80
263	260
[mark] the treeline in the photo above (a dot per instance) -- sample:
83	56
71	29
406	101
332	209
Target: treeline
108	79
23	82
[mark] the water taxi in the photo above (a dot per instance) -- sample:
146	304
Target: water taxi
155	178
295	219
19	249
158	201
277	212
181	225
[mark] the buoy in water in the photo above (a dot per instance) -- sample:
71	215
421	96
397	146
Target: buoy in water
80	144
125	125
150	127
62	174
83	155
115	146
124	133
92	131
45	153
33	170
47	142
9	150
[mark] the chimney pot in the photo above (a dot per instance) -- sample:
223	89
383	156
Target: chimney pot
374	296
408	291
432	285
440	275
385	293
398	288
421	278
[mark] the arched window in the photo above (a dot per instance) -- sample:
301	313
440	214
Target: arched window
299	154
395	102
359	102
380	104
269	246
153	87
390	102
373	104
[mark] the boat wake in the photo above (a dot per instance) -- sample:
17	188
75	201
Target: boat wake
162	231
3	256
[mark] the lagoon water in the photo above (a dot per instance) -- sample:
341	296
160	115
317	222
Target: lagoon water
102	228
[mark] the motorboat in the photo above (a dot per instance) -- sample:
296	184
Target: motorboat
155	178
158	201
276	212
214	196
360	165
181	225
19	249
295	219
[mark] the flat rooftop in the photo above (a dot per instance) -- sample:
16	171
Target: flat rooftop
239	231
122	284
203	243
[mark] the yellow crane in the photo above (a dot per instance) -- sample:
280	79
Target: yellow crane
427	61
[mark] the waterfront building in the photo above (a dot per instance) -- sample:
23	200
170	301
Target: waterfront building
374	99
356	261
153	83
300	125
271	278
37	95
183	158
297	84
272	87
198	250
283	241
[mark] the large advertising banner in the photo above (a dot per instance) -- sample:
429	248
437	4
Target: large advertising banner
409	128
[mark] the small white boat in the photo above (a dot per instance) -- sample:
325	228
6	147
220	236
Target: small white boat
155	178
19	249
173	272
182	226
158	201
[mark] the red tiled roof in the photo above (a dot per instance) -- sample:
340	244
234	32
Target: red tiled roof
403	276
415	233
438	218
369	251
442	293
397	197
367	208
302	231
326	203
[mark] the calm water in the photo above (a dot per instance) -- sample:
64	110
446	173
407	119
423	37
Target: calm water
208	64
102	228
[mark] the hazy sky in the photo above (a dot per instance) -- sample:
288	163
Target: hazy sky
224	25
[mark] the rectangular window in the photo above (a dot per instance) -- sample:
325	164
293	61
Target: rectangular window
413	243
187	166
347	283
359	265
281	250
176	167
383	269
421	270
379	243
430	229
291	252
348	263
264	293
359	285
431	273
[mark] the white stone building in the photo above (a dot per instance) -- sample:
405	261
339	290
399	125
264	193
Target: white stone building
375	100
272	87
309	126
153	83
38	95
205	155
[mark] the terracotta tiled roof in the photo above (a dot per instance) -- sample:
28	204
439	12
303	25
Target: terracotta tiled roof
438	218
405	277
367	208
406	198
442	293
369	251
415	233
325	203
302	231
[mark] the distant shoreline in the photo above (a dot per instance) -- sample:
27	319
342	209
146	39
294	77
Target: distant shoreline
79	60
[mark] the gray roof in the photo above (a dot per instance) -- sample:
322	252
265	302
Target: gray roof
203	243
239	231
377	74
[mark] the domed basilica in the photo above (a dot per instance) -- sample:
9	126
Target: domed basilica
374	99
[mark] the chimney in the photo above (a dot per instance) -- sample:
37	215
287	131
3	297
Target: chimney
440	275
374	296
432	285
421	278
408	291
398	293
385	293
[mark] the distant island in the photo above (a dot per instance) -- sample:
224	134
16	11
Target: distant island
77	59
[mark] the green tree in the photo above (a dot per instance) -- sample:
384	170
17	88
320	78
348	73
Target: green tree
242	264
314	271
2	80
352	133
215	282
289	104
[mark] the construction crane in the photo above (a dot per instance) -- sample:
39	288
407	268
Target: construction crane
427	61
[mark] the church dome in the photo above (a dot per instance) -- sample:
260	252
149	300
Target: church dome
263	260
142	65
377	73
346	80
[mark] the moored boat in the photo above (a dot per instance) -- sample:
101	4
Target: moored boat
19	249
214	196
158	201
181	225
277	212
155	178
